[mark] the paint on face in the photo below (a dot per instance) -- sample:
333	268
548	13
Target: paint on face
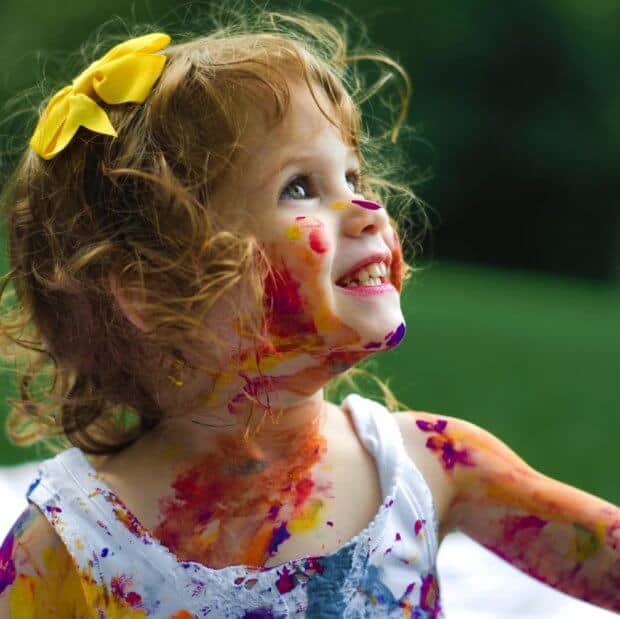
219	517
444	445
369	204
394	338
318	243
339	205
398	264
286	313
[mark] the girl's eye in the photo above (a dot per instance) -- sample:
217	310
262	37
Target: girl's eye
297	189
354	179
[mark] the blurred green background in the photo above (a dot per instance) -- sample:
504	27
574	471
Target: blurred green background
514	322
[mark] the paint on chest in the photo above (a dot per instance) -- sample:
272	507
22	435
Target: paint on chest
240	510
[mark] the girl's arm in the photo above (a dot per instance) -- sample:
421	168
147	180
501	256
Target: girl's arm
36	572
560	535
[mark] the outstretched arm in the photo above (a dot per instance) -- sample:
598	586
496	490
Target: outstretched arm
560	535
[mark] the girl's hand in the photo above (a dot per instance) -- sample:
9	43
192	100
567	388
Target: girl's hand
560	535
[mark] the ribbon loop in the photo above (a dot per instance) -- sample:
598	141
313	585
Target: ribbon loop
126	74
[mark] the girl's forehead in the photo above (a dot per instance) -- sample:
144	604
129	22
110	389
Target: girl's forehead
303	124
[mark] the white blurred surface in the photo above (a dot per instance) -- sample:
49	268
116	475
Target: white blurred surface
475	584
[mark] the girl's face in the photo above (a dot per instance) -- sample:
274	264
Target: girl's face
298	183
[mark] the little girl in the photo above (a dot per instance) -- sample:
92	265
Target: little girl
198	240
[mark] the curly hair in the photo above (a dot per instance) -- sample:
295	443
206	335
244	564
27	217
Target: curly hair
135	211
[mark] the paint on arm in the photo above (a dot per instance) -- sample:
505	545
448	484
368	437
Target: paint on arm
556	533
36	572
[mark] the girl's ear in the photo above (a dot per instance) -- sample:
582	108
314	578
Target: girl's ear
127	302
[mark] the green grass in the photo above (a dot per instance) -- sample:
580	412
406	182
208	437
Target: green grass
532	359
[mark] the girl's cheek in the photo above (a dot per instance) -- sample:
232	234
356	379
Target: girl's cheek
293	290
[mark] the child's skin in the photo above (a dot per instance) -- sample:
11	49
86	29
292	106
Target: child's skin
285	475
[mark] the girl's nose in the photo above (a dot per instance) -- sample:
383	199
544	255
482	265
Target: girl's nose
364	216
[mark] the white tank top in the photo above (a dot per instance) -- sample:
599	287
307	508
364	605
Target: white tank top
387	570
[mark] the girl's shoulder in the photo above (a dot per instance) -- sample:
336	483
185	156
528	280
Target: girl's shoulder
36	571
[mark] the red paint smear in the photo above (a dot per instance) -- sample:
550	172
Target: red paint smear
119	586
516	524
285	314
317	242
312	564
398	266
206	492
286	582
303	488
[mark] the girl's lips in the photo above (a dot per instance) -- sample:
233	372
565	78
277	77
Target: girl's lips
366	291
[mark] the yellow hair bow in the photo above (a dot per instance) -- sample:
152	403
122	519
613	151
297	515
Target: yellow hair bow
126	74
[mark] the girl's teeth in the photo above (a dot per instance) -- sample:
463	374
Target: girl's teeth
375	275
374	270
363	276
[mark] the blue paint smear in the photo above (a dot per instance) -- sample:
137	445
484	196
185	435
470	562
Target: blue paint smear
385	604
325	597
33	485
262	613
280	534
395	337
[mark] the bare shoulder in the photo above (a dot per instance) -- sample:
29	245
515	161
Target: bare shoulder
452	455
36	571
440	483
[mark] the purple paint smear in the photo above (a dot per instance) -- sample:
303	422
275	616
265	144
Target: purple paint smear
369	204
450	455
280	534
429	426
429	595
7	565
393	338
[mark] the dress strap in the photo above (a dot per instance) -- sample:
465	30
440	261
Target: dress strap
380	434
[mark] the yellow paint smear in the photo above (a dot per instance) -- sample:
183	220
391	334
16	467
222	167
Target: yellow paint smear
58	591
293	233
308	519
340	205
